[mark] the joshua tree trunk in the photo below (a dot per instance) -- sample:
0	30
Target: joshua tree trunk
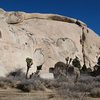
37	73
27	73
29	64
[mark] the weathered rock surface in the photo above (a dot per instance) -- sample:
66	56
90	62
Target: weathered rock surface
46	38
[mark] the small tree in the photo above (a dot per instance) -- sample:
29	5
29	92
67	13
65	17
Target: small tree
76	62
84	69
67	59
29	62
98	61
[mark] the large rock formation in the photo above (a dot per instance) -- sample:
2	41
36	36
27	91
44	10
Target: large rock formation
46	38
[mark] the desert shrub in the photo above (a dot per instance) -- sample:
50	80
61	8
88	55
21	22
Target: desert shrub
26	87
82	87
51	84
62	79
84	69
86	79
97	79
17	74
79	87
85	84
12	79
95	92
67	86
6	82
96	84
66	94
3	85
31	84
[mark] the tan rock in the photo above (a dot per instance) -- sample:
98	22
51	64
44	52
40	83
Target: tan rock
46	38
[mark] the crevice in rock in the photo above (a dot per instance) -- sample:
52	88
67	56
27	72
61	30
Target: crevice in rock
82	42
61	18
0	35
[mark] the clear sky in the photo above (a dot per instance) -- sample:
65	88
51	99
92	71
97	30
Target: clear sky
86	10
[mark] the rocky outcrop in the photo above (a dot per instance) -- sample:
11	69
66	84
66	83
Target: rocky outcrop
18	17
46	38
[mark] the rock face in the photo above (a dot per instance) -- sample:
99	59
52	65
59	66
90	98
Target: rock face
46	38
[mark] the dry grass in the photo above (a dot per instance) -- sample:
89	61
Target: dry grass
65	89
31	84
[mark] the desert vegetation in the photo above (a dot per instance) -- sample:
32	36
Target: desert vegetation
86	87
29	64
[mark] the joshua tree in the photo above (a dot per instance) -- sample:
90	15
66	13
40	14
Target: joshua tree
51	69
96	71
98	61
36	74
29	62
59	70
67	59
73	69
62	70
76	63
38	69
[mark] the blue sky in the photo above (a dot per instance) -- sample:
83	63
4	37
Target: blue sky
86	10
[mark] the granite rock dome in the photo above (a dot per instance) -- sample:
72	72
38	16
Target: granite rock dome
46	38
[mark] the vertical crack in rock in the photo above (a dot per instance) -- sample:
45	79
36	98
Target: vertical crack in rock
82	41
0	35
